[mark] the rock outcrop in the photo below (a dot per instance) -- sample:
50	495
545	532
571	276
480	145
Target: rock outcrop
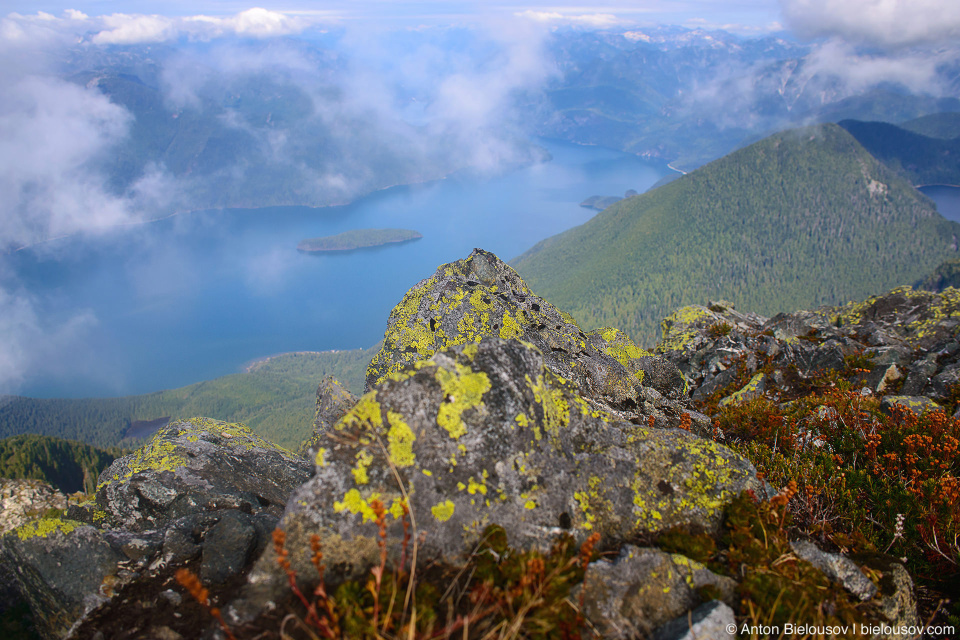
202	494
484	434
333	402
481	296
906	340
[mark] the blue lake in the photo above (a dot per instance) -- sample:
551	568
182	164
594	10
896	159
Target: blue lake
197	295
947	199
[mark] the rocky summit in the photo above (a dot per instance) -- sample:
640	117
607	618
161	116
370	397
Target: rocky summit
485	406
905	341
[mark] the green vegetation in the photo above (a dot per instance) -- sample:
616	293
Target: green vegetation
275	397
861	480
358	239
921	159
800	219
946	275
945	126
67	465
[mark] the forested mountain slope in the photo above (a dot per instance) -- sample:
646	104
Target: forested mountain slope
802	218
276	398
67	465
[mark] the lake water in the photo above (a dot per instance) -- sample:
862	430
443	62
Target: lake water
198	295
947	199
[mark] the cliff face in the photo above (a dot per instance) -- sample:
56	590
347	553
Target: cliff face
485	406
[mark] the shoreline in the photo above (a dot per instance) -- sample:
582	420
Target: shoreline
318	207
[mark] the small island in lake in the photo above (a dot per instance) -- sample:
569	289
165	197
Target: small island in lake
602	202
357	239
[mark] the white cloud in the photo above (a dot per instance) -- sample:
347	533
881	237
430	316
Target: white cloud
133	29
591	20
51	134
917	71
33	344
136	28
876	22
261	23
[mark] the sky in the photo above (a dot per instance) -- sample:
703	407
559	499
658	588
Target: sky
752	14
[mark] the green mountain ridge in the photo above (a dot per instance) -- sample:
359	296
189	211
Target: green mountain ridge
275	397
68	465
802	218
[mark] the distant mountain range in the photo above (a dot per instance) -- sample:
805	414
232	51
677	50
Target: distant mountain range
691	96
257	139
802	218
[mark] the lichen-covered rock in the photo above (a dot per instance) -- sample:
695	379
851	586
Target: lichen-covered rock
202	494
333	402
64	569
486	434
644	589
917	404
21	500
481	296
196	465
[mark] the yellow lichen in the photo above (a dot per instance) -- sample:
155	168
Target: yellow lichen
442	511
400	440
46	526
354	502
364	458
511	329
463	390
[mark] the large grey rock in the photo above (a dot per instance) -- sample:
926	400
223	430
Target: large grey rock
644	589
64	569
897	600
201	493
198	465
481	296
486	433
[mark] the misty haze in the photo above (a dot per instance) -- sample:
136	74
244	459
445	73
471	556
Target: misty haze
121	119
